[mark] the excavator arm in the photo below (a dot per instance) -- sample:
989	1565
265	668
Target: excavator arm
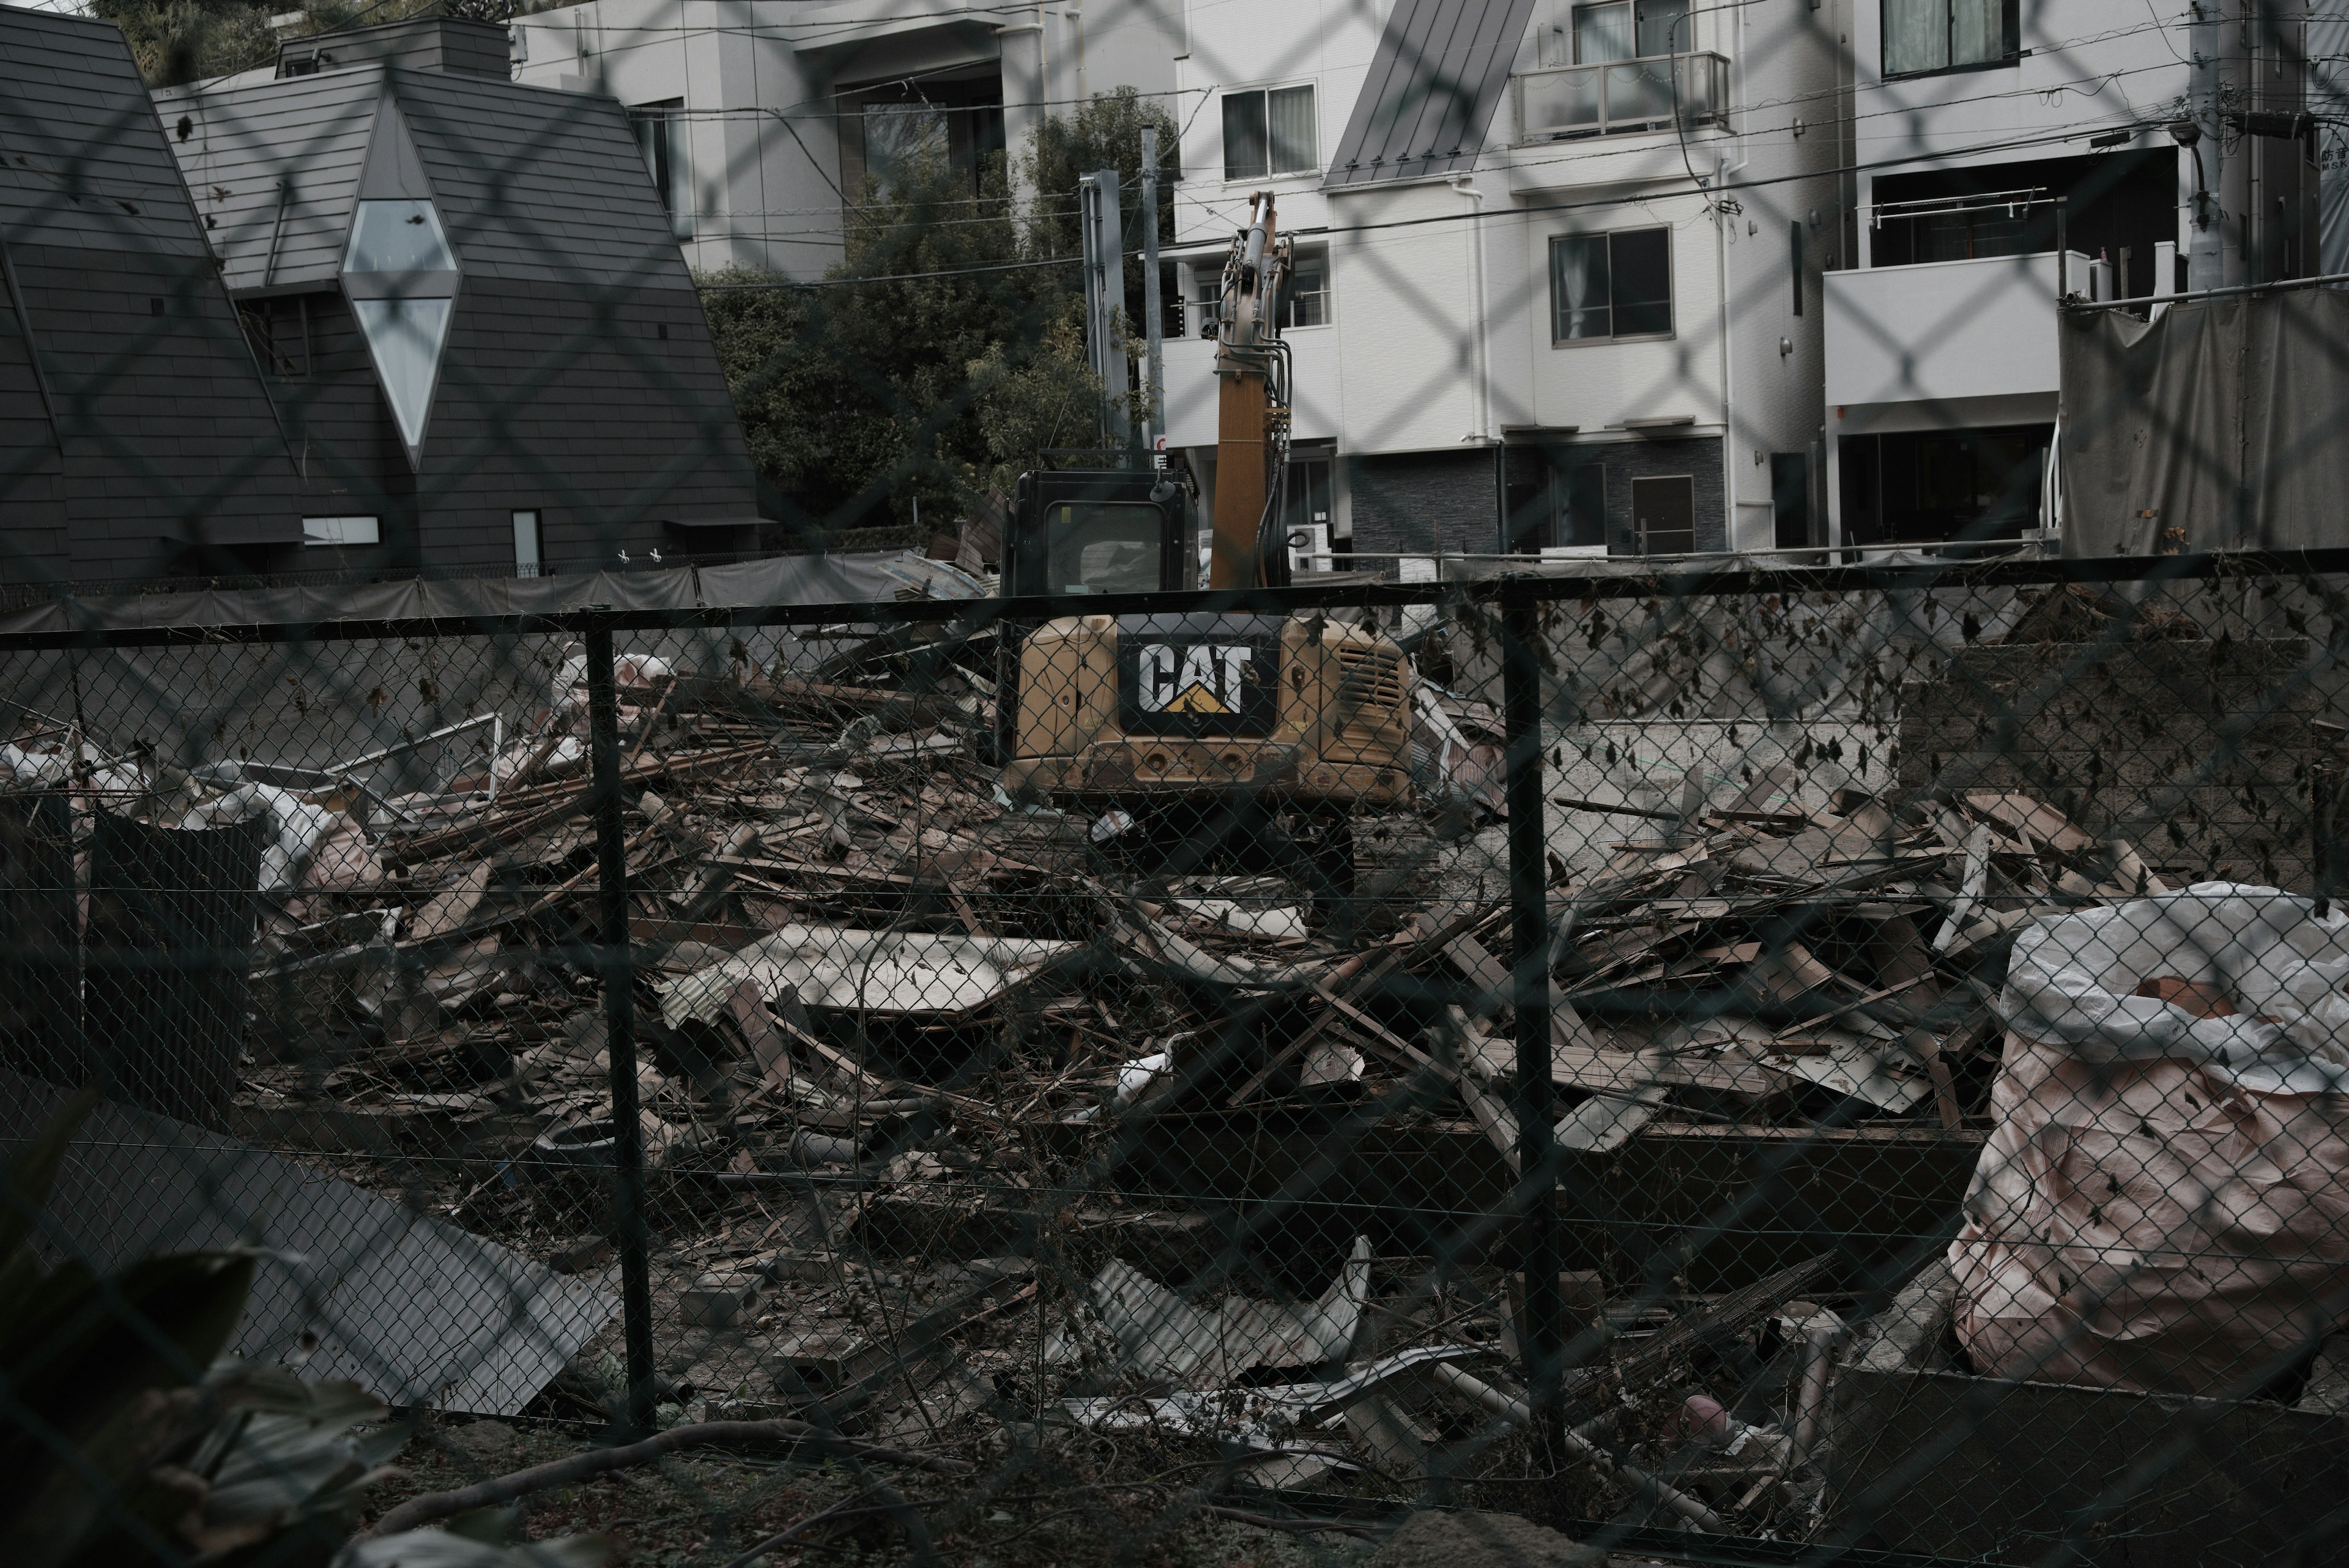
1251	407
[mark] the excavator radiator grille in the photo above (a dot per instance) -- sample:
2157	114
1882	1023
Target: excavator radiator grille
1368	679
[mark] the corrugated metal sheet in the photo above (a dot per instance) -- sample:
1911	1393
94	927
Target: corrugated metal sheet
1432	88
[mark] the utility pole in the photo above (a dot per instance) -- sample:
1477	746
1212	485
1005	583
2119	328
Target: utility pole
1151	307
1104	265
2206	240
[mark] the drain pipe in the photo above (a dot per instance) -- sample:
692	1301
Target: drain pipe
1483	429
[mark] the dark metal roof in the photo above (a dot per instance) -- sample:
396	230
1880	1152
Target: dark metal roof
531	184
1431	91
80	161
130	404
430	43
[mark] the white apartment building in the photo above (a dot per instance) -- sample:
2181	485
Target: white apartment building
1983	132
756	116
1559	264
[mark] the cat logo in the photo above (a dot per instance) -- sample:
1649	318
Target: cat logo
1202	678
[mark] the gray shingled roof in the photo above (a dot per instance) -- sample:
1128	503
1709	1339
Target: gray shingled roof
531	184
80	160
1431	91
129	397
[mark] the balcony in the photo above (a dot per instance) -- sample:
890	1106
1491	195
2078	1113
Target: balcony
1621	96
1936	330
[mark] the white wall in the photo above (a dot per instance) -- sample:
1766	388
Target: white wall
756	77
1939	330
1440	293
2091	65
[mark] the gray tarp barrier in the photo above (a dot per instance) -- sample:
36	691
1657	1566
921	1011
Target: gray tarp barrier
780	580
2215	427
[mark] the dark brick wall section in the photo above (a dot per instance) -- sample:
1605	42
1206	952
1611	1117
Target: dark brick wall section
1700	459
2198	754
1420	501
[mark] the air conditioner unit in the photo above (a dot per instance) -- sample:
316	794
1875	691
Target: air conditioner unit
1308	547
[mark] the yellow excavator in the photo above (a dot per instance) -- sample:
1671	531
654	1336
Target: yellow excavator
1201	728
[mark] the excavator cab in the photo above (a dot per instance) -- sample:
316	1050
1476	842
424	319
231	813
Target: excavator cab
1100	531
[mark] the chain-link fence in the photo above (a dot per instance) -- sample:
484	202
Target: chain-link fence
623	816
1772	1064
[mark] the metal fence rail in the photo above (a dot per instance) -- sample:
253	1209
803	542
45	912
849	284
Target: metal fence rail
1605	1118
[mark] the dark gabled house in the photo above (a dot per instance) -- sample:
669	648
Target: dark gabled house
471	310
136	435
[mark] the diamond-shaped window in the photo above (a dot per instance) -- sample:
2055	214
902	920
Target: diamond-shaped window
400	278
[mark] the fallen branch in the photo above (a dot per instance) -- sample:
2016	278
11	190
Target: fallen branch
576	1468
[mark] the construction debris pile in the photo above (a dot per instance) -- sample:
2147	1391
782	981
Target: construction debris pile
917	1060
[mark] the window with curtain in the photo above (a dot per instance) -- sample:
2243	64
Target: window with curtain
1610	285
1921	36
1269	132
1629	30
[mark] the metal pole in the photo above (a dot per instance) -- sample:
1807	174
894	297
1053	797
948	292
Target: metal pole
1544	1335
1151	307
630	1236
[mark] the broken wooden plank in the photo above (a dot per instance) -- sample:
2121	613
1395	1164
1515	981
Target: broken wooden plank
766	1043
452	905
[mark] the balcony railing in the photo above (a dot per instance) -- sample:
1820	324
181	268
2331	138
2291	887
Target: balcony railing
1621	96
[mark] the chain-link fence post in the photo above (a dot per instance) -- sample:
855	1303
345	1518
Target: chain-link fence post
1544	1337
629	1235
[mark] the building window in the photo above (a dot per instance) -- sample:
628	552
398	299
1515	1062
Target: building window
400	278
1207	295
661	136
530	545
1305	302
1629	30
1269	132
338	532
1921	36
894	135
1610	285
1663	514
1557	498
1795	260
1927	486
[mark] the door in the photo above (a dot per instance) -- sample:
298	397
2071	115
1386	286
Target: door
1790	500
1663	511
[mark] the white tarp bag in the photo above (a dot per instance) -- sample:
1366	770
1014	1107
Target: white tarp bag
2163	1203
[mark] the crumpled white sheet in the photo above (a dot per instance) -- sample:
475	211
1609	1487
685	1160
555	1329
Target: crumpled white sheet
2163	1202
2070	980
326	844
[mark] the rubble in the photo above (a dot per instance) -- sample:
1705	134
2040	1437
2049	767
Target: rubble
916	1059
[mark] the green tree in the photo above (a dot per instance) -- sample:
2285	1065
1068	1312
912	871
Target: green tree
178	41
947	347
855	394
1104	133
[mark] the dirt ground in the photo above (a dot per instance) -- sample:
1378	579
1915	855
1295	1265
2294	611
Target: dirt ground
1076	1501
